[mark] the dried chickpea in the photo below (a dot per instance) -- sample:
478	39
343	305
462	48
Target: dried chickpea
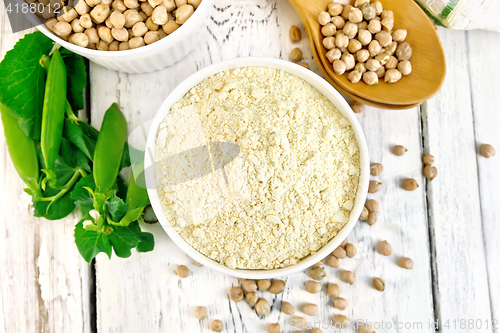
236	294
372	65
399	150
333	290
410	184
340	303
66	14
374	186
348	277
377	5
362	55
120	34
151	36
384	248
348	60
333	261
92	35
365	328
170	27
387	14
376	169
361	3
217	326
62	29
362	25
374	48
364	214
380	72
343	244
391	63
114	46
374	26
107	23
339	67
399	35
350	29
92	46
351	250
391	48
277	287
379	284
387	24
392	75
430	172
357	107
155	3
341	321
132	4
406	263
404	51
360	67
373	206
123	47
183	13
384	38
287	308
333	54
328	30
50	24
105	34
316	330
252	298
355	15
313	287
319	263
182	271
119	6
303	64
117	19
324	18
338	22
99	13
372	218
201	312
147	8
341	41
329	42
310	309
428	159
404	67
82	8
76	26
79	39
136	42
249	285
131	18
335	9
295	34
160	15
339	253
317	273
139	29
354	46
262	307
263	285
486	150
86	21
296	55
93	3
345	12
194	3
274	328
169	4
364	37
179	3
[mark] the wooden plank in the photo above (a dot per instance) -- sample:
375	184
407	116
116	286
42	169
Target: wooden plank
460	276
45	285
157	300
483	45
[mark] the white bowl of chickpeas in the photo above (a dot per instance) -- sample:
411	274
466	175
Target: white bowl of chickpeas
133	36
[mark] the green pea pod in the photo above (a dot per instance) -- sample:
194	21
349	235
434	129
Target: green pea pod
137	195
22	150
109	149
54	108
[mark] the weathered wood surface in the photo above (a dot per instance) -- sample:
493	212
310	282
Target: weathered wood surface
448	226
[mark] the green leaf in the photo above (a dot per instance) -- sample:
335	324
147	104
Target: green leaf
84	200
22	81
122	187
116	208
123	240
146	239
77	78
76	135
58	209
70	159
90	243
131	216
131	156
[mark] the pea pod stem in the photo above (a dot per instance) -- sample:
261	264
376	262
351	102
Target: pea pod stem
66	188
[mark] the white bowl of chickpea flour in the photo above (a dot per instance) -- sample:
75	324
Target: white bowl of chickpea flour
163	49
256	167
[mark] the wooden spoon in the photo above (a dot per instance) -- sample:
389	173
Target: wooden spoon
428	61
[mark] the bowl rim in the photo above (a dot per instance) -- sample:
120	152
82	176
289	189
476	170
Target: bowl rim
317	82
171	39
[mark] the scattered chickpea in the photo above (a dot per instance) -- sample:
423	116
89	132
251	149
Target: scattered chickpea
351	250
372	206
217	326
357	107
406	263
201	312
340	303
344	243
333	290
263	285
364	214
339	253
317	273
430	172
252	298
313	287
277	287
300	321
333	261
384	248
319	263
379	284
249	285
410	184
274	328
342	320
304	64
376	169
428	159
365	328
295	34
236	294
287	308
348	277
372	218
405	67
399	150
182	271
296	55
487	150
310	309
197	263
374	186
262	307
370	78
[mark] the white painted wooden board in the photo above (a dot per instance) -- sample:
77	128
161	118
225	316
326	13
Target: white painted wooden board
44	283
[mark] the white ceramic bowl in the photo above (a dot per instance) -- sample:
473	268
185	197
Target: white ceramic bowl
317	82
150	58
